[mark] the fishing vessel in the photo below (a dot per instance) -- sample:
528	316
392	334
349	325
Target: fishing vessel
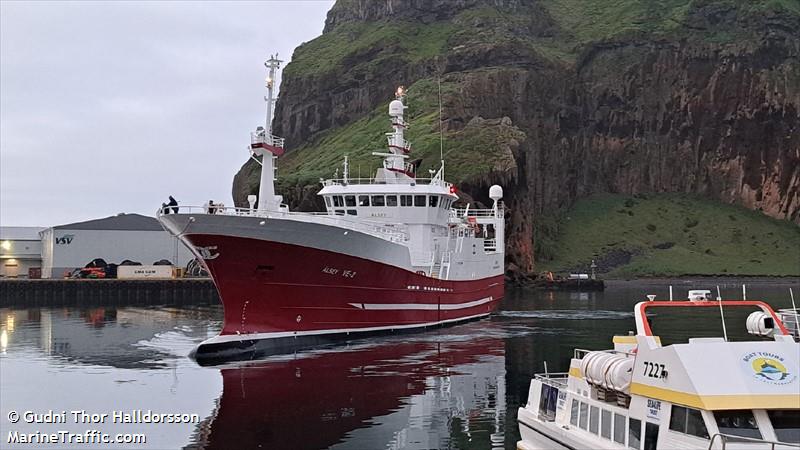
390	253
709	393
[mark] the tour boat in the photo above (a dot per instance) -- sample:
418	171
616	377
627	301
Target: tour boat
709	393
390	253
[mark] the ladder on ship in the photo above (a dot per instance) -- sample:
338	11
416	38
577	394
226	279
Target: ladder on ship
441	269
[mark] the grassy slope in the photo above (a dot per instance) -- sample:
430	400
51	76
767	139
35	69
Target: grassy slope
412	41
708	237
325	153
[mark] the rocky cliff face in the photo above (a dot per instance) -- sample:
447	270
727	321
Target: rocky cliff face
677	96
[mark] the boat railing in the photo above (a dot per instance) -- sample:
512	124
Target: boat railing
555	379
580	353
789	318
347	181
394	234
725	438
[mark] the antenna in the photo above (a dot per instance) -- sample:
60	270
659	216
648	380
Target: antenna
719	299
273	64
441	129
794	308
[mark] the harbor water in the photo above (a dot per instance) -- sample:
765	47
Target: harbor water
86	373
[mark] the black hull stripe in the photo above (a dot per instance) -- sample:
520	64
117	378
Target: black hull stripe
548	437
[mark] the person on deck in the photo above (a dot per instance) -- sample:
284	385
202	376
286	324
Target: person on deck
173	204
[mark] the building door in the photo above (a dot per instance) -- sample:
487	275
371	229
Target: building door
11	269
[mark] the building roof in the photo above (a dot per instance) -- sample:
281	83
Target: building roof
120	222
20	233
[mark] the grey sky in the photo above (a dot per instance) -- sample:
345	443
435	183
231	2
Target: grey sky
111	107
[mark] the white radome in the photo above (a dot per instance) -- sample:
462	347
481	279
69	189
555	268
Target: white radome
495	192
396	108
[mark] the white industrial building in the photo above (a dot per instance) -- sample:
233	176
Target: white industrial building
117	238
20	251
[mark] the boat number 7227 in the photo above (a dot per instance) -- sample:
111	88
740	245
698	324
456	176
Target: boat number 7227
654	370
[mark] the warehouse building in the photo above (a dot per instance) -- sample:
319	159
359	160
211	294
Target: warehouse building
115	239
20	252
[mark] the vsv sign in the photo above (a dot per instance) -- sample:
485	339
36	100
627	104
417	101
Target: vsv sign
65	239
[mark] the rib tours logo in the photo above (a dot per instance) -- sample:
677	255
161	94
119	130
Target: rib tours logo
768	367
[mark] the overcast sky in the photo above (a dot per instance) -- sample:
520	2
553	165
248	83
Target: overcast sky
111	107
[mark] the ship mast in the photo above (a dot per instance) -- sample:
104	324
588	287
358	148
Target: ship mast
262	142
395	169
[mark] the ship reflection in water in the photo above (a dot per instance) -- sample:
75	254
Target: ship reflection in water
431	392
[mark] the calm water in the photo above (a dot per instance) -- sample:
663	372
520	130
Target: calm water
458	387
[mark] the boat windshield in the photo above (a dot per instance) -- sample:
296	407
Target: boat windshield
738	423
786	423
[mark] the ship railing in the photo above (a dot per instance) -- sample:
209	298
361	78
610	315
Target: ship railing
477	212
555	379
764	443
396	234
257	137
405	146
348	181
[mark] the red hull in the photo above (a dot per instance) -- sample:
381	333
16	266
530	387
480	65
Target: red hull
269	287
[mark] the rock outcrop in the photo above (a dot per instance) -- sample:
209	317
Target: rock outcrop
701	97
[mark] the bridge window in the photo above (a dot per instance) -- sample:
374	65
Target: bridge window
584	415
605	424
594	419
391	200
786	423
352	212
405	200
338	201
573	413
635	434
688	421
419	200
433	200
619	428
547	402
738	423
350	200
377	200
363	200
328	201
